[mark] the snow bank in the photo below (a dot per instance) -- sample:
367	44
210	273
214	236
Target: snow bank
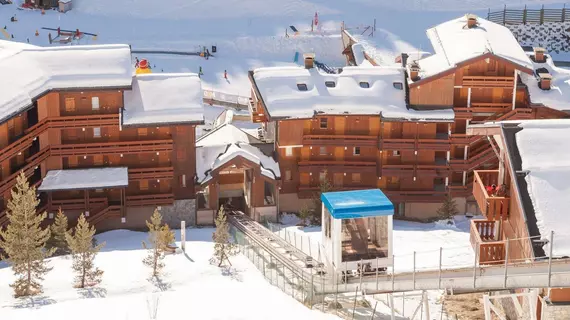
74	179
29	71
544	149
164	98
279	88
558	97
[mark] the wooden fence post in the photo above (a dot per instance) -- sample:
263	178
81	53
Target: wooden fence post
504	14
524	14
542	15
563	17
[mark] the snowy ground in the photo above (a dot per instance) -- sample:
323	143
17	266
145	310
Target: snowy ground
191	286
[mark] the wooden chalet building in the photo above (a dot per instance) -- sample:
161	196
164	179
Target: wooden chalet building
529	208
398	128
96	139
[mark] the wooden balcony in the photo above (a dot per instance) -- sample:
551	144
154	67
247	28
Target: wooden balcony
488	82
483	238
340	166
494	208
77	204
150	200
28	169
256	113
415	144
415	170
426	196
463	139
486	155
106	212
136	174
339	140
118	147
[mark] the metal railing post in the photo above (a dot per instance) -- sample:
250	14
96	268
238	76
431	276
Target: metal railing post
414	273
377	268
506	263
475	264
439	273
393	271
550	257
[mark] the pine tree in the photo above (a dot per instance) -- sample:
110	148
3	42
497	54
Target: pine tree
159	237
83	253
24	240
58	234
304	214
448	208
324	186
223	248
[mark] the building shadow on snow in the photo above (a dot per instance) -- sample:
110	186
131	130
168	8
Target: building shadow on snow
33	302
233	273
94	292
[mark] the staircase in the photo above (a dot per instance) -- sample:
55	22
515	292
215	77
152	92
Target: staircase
106	212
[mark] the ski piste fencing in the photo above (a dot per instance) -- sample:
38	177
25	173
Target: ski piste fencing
511	274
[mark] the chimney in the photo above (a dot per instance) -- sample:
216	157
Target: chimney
545	80
471	20
539	54
309	60
414	71
404	59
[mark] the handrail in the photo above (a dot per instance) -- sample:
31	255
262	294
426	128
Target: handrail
336	163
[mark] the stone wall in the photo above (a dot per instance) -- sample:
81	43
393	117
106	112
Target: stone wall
179	211
551	35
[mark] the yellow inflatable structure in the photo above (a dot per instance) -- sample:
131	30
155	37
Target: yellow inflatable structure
143	67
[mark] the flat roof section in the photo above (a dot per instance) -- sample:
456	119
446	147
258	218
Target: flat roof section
76	179
357	204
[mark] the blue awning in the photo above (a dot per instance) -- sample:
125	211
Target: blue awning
357	204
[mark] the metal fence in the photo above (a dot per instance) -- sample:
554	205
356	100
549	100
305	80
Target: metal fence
529	16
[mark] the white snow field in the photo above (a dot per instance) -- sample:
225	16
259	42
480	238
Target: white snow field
191	288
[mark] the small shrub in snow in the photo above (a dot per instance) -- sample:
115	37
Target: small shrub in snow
223	247
304	214
159	237
364	303
448	208
83	254
24	240
58	234
334	305
324	186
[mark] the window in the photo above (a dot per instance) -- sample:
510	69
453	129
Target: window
302	87
356	177
94	103
356	151
323	123
143	185
395	153
364	85
330	84
398	85
183	181
322	176
96	132
323	151
69	104
98	190
288	175
288	151
142	132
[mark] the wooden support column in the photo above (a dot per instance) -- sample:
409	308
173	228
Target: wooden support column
515	89
49	201
123	201
86	197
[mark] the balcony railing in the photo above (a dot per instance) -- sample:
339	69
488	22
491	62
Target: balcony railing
340	166
488	82
118	147
340	140
150	199
488	250
415	170
464	139
494	208
415	144
487	154
151	173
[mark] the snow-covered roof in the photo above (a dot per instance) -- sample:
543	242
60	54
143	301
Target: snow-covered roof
544	149
95	178
455	43
164	98
29	71
214	157
225	134
558	97
283	99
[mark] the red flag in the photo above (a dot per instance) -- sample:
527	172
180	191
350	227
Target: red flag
316	18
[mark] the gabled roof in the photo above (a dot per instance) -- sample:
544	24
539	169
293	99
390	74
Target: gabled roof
225	134
356	90
455	44
28	71
558	97
164	98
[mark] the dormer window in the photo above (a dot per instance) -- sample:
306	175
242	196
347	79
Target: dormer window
330	84
398	85
302	86
364	85
323	123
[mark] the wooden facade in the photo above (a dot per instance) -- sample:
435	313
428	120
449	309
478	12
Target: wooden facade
81	129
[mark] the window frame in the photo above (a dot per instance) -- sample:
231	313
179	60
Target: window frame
364	84
354	151
398	85
97	132
324	121
327	84
302	87
95	106
288	151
